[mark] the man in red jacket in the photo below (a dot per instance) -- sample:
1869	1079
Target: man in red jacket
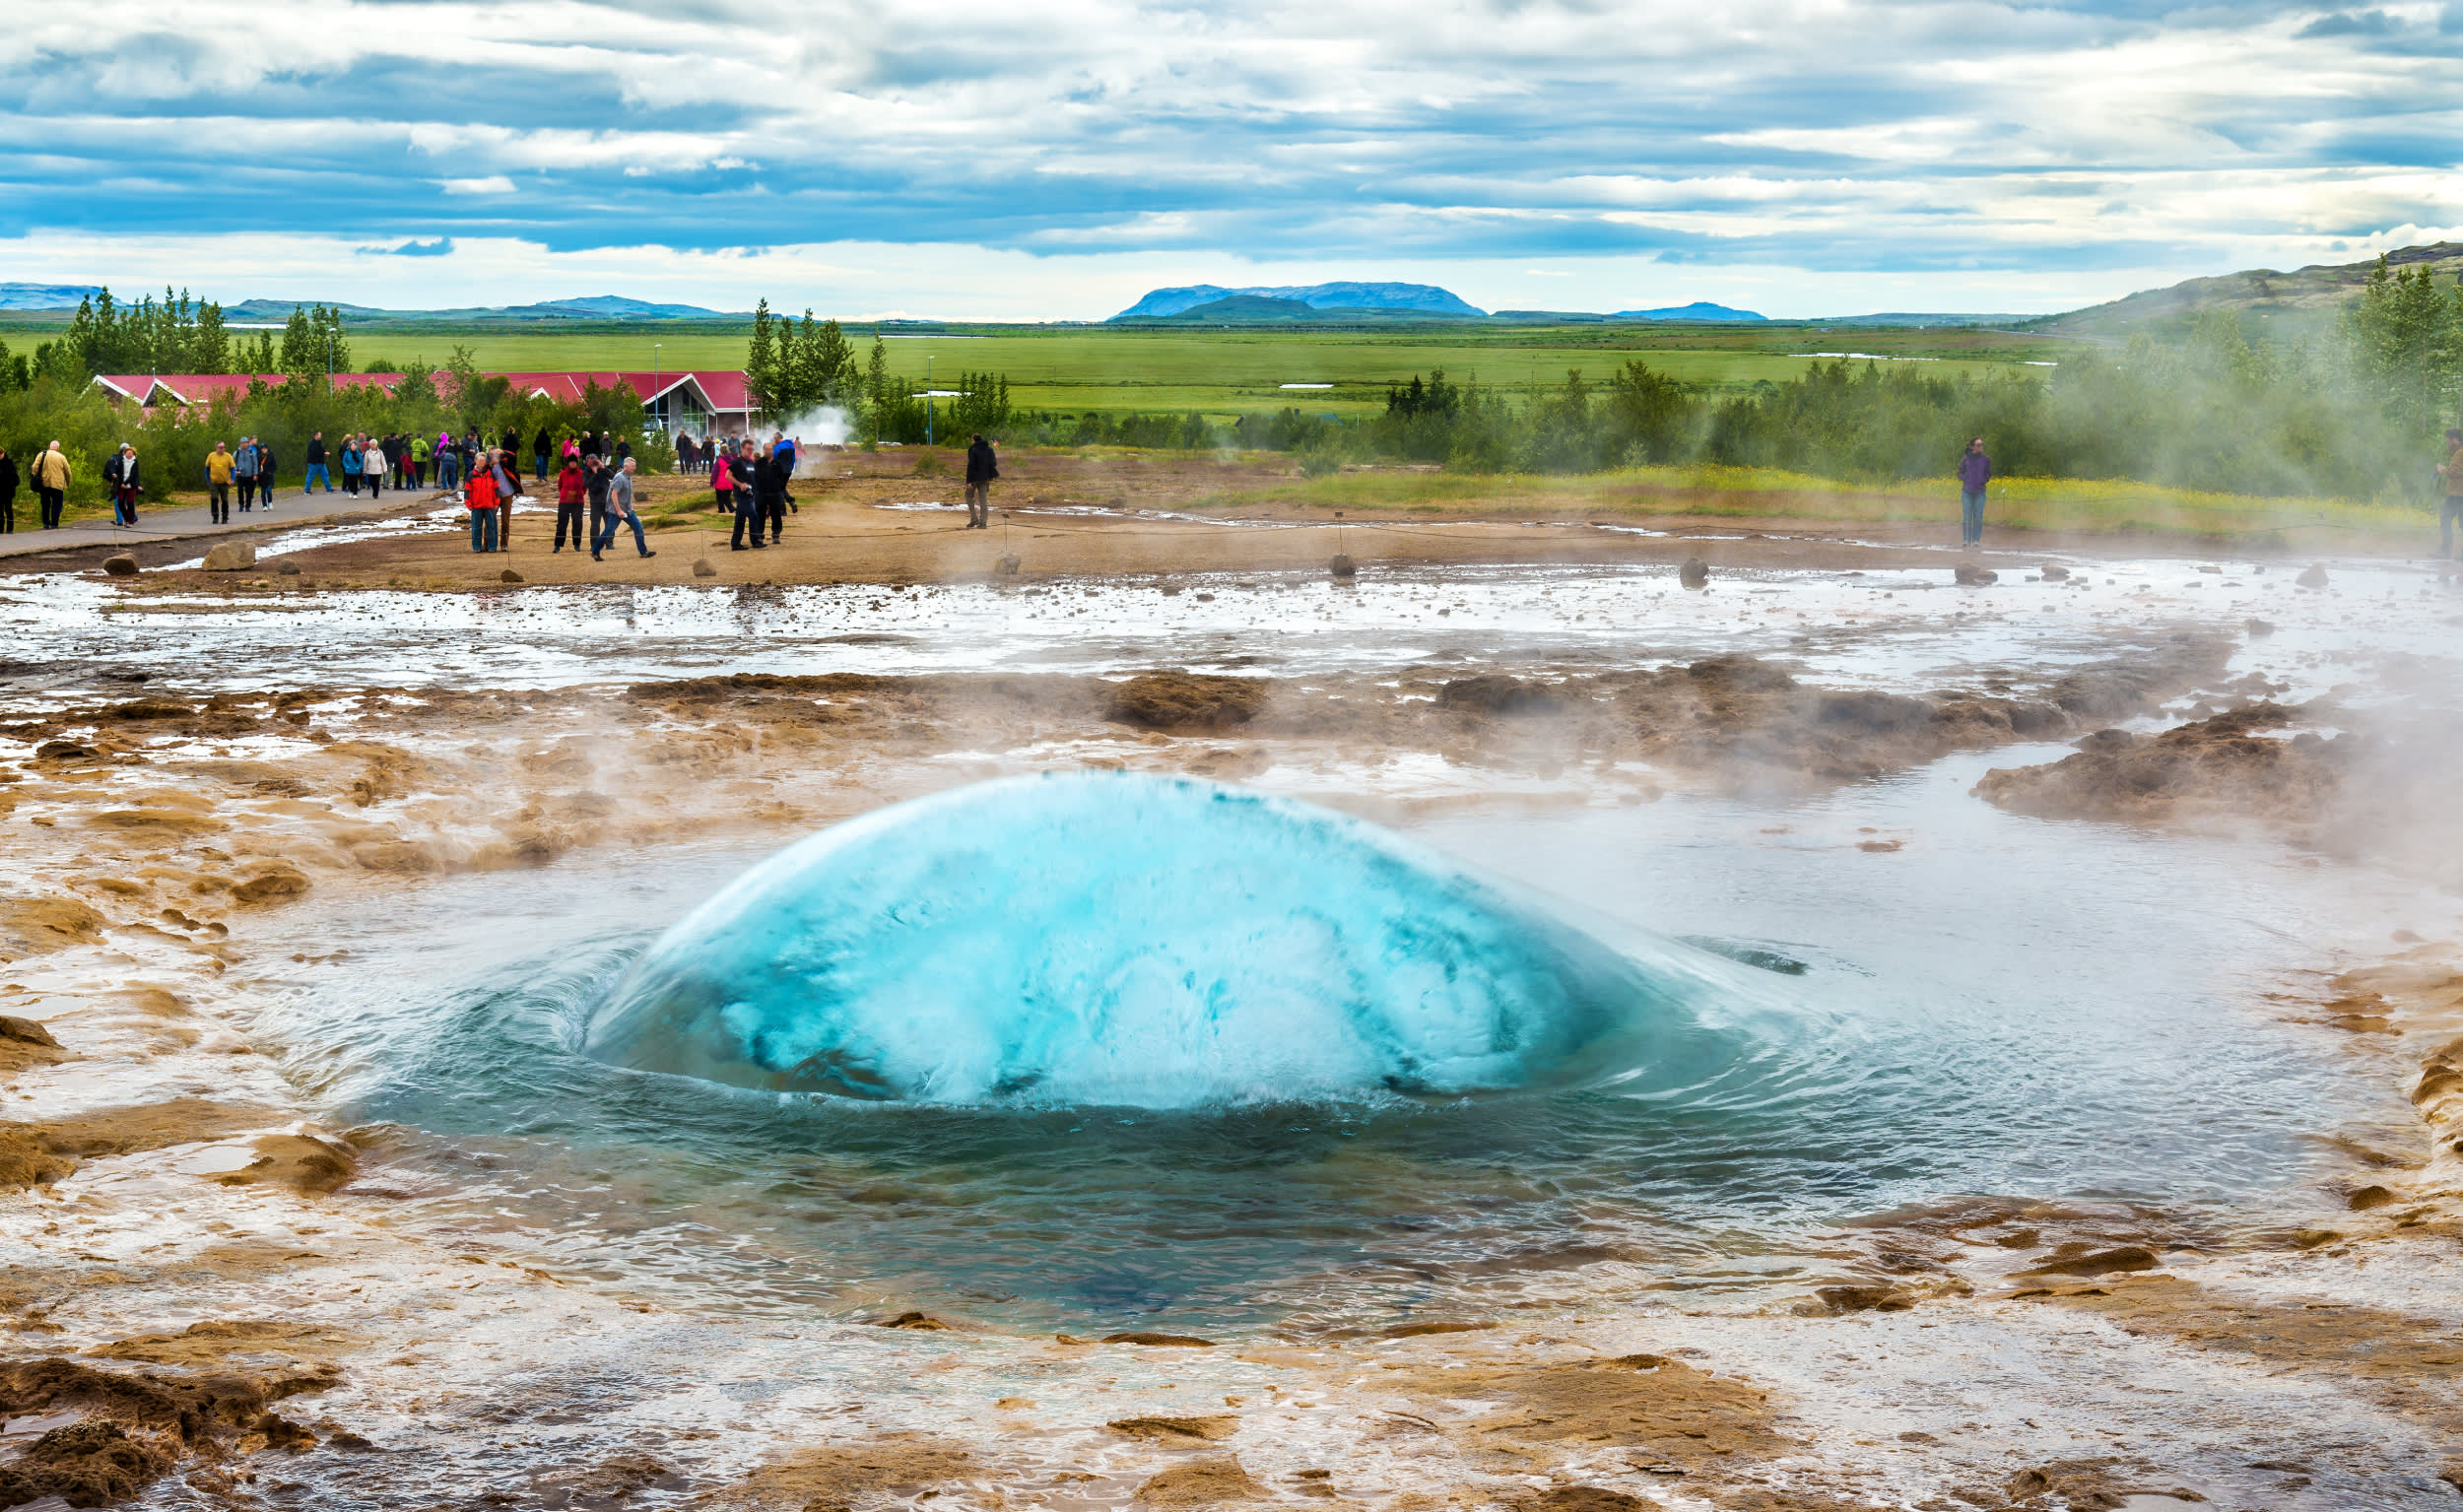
480	496
573	490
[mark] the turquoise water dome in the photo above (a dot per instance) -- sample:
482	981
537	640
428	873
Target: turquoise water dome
1108	939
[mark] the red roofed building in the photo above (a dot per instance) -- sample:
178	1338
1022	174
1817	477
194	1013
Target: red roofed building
701	403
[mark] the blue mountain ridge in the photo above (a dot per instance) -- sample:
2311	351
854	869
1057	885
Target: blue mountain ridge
1427	298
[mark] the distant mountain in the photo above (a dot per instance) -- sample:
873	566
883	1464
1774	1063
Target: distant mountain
1414	299
2290	302
44	295
1921	320
1700	310
598	308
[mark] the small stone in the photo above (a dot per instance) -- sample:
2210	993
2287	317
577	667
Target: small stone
1974	576
120	564
285	568
1007	566
1343	567
1696	574
231	557
508	575
701	568
2258	627
2056	575
2312	576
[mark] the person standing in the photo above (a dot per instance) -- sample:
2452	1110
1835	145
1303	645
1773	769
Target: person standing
508	455
448	462
722	486
315	466
265	473
684	455
2451	471
8	493
741	468
542	452
372	466
52	480
352	462
572	491
1975	471
619	512
120	474
507	488
217	475
770	495
982	468
480	499
419	454
244	471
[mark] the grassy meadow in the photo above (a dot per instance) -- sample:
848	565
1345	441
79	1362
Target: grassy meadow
1222	373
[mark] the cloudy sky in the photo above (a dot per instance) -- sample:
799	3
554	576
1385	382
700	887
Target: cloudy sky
1056	159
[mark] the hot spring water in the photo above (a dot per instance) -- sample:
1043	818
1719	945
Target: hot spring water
1107	1050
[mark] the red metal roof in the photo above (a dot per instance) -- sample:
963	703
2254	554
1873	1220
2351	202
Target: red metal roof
721	391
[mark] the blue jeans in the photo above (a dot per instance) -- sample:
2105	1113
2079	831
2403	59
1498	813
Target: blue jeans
607	533
483	530
317	473
1972	515
2447	513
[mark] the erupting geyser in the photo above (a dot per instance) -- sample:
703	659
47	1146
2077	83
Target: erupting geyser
1107	939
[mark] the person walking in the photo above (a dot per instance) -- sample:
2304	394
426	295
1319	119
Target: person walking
2450	472
741	469
594	478
52	480
120	474
244	471
352	463
217	475
572	491
316	471
1975	471
481	498
982	468
8	493
372	466
265	473
619	512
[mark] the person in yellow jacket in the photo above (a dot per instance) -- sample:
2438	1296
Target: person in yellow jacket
51	480
218	466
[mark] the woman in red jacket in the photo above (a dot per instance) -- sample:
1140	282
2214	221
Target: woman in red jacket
480	496
572	491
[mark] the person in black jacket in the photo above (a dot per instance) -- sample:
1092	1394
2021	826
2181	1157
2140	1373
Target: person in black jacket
769	489
120	472
742	471
8	493
512	457
982	468
543	452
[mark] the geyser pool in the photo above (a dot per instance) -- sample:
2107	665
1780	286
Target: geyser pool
1108	939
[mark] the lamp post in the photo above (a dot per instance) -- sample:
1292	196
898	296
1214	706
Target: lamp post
927	399
655	399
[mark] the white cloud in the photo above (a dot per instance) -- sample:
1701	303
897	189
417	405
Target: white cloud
493	183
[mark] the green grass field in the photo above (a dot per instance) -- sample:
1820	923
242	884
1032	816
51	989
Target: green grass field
1225	372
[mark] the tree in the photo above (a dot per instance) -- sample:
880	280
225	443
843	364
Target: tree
210	350
2407	344
303	356
761	359
824	366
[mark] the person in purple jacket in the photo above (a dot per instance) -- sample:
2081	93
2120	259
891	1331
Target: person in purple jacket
1975	471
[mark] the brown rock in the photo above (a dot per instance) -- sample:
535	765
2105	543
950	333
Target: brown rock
91	1463
308	1166
34	925
275	882
1695	573
1182	700
1843	1300
2125	1257
2312	576
120	564
1974	576
229	556
1179	1431
834	1477
1640	1401
508	575
1201	1483
1585	1498
1496	693
1343	568
701	568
